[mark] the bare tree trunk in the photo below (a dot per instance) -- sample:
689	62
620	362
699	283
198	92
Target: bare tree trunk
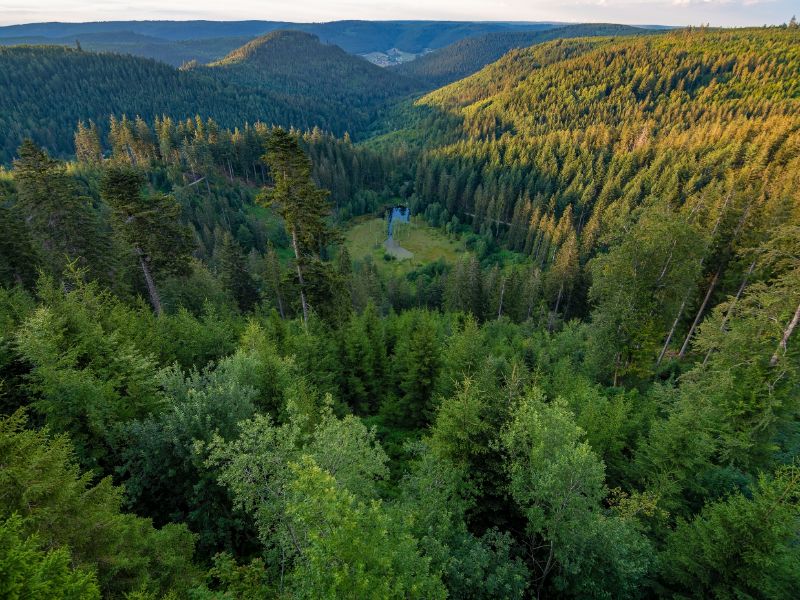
502	293
155	299
667	263
699	314
280	303
671	332
785	339
733	304
300	276
683	304
555	310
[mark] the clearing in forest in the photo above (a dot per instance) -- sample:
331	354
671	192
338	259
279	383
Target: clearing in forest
413	244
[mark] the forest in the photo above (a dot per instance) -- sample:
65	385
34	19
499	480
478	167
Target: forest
205	395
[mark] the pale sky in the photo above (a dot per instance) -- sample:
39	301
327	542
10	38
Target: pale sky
666	12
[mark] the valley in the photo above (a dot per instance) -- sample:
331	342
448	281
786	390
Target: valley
399	309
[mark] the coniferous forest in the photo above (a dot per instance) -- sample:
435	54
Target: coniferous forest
209	391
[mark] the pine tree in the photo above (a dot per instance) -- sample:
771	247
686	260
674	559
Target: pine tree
61	221
87	143
18	256
150	225
303	207
232	269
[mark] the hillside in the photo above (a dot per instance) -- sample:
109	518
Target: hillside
561	146
471	54
669	79
285	78
47	90
342	91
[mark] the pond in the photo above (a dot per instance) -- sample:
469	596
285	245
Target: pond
400	214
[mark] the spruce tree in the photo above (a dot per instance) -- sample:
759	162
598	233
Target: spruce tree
150	225
303	207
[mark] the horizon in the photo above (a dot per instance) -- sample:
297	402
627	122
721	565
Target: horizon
669	13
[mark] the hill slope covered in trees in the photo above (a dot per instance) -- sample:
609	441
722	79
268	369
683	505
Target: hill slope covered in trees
559	149
342	91
172	52
50	89
471	54
286	78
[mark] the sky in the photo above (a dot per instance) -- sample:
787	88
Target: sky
664	12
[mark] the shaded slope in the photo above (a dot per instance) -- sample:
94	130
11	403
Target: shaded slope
471	54
47	90
342	91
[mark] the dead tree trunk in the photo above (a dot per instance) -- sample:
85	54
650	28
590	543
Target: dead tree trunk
300	276
555	310
733	304
785	339
699	314
152	290
671	332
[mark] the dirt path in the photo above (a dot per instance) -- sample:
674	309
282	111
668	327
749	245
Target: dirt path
396	250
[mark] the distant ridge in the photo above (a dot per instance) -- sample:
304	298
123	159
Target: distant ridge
356	37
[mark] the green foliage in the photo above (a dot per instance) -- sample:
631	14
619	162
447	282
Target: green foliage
27	571
738	547
55	500
557	482
163	467
364	366
351	548
437	495
18	256
85	377
416	368
256	466
636	288
62	224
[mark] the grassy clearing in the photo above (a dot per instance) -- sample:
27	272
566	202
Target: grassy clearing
426	244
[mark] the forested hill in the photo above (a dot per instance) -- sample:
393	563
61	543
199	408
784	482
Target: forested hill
286	78
47	90
566	148
471	54
342	91
580	82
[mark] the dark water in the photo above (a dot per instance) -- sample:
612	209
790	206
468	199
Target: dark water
401	214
